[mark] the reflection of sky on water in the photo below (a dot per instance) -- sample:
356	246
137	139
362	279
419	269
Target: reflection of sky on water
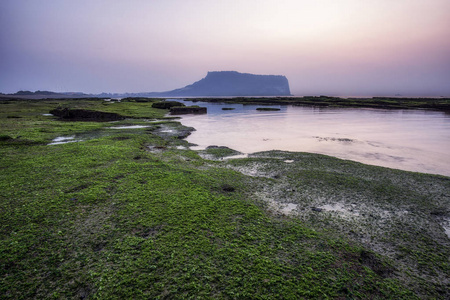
405	139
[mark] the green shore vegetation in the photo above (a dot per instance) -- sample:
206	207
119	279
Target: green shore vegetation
133	213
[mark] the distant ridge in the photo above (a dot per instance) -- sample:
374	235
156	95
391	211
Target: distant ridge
232	83
217	83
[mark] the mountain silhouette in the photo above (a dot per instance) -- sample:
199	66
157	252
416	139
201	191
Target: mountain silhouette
218	83
232	83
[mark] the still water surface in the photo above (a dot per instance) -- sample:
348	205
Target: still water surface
412	140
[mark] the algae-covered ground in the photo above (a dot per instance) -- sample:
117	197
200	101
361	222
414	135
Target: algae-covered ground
125	210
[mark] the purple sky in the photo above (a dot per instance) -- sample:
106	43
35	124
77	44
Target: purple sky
343	48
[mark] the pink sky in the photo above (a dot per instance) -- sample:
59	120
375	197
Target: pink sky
346	47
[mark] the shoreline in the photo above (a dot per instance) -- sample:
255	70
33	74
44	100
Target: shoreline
428	103
370	143
438	104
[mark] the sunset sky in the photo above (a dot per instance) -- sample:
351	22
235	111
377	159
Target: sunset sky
329	47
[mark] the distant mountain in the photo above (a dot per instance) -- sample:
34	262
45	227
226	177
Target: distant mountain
221	83
232	83
28	93
44	95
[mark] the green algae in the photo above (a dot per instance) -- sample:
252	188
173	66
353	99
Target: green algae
136	214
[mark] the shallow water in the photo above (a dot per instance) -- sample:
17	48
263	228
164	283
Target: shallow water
63	140
129	127
79	137
413	140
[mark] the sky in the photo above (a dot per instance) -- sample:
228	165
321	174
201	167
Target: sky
323	47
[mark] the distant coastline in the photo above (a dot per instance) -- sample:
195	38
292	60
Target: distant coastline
61	95
438	104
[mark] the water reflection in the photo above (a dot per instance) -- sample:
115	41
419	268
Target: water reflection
411	140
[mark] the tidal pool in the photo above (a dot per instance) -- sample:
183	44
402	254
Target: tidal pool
63	140
412	140
129	127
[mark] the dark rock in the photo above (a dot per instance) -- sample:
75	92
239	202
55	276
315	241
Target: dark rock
316	209
439	212
85	115
267	109
167	104
177	110
228	188
184	134
4	137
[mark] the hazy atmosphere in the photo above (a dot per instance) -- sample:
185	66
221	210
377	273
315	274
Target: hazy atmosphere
342	48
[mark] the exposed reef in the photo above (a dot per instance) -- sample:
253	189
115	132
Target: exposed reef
85	115
438	104
182	110
267	109
166	104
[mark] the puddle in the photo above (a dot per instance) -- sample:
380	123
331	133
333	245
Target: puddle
79	137
129	127
48	115
289	161
63	140
172	130
167	130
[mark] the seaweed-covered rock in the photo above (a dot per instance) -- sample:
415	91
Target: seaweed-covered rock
267	109
177	110
85	115
167	104
4	137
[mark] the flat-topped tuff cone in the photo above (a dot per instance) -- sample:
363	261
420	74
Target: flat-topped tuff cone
232	83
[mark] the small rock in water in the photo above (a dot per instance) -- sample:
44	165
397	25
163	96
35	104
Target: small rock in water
316	209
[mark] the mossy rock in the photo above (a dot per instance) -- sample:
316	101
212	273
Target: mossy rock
85	115
5	137
220	151
188	110
167	104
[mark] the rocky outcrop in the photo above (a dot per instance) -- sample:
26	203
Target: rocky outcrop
85	115
232	83
167	104
182	110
